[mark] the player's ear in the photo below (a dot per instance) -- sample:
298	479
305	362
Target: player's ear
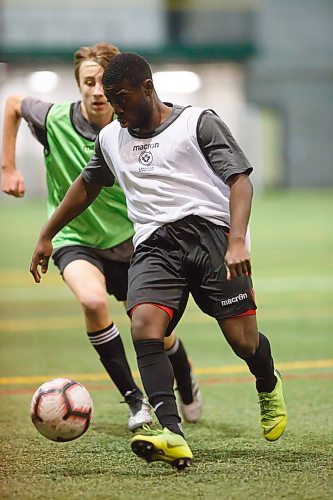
148	86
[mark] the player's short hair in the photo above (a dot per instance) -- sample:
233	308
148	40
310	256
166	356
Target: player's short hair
101	53
129	67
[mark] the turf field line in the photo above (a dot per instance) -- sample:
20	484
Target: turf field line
217	370
275	284
47	324
202	381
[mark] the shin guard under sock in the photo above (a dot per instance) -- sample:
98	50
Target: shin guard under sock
261	365
157	378
107	342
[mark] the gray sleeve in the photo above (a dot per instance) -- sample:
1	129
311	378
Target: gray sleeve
219	147
35	111
97	170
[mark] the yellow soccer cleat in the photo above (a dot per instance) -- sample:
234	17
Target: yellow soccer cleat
273	411
162	446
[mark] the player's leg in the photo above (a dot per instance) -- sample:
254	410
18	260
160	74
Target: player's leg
232	304
149	323
190	400
87	283
254	348
116	275
156	289
189	395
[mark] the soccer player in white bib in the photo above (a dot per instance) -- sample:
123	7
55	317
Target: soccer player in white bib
188	193
93	251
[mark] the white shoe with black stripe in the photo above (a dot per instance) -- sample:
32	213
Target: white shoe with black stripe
139	411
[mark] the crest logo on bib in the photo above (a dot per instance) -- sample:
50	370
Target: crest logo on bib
146	159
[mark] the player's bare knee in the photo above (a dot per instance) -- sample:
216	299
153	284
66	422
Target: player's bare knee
93	304
141	325
147	322
241	334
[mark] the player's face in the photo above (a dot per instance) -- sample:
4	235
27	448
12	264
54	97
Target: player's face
133	106
94	101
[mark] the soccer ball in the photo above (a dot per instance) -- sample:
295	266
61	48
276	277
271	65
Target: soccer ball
61	409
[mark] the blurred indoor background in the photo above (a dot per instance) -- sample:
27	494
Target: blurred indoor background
265	66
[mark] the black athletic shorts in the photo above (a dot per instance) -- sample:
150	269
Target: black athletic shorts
187	256
113	263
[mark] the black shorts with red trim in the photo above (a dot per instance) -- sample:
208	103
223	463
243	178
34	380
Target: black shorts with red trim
187	256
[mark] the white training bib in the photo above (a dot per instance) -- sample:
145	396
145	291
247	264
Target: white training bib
165	177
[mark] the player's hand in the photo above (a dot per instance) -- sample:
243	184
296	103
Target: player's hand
12	183
237	260
40	258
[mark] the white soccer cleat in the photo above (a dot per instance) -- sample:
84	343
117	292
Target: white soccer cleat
192	411
139	411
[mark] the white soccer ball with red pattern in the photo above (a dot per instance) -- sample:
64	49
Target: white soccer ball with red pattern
61	409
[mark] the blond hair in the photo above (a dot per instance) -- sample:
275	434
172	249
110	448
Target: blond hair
101	53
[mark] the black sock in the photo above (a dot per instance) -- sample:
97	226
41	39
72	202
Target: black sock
261	365
157	378
182	371
107	342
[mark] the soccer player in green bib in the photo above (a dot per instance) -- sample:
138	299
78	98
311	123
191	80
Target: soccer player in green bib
93	251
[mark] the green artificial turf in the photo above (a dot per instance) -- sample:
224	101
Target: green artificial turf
43	336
